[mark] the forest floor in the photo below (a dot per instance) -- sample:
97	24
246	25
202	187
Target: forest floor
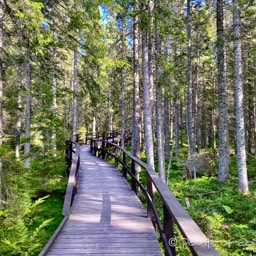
225	215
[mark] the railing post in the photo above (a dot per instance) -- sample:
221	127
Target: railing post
168	229
103	149
95	147
91	145
116	156
149	208
134	187
70	152
124	166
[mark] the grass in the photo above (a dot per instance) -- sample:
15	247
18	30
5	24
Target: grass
51	208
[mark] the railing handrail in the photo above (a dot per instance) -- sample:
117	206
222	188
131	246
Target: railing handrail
198	243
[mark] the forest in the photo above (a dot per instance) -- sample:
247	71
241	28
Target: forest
178	76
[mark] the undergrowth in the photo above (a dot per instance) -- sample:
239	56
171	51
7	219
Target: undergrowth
33	199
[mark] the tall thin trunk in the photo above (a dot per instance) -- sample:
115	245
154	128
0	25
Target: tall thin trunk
181	123
110	116
196	105
19	105
150	56
122	86
176	123
223	121
94	131
204	117
54	91
159	108
1	93
136	125
240	131
254	120
166	126
189	106
213	115
74	90
28	106
146	98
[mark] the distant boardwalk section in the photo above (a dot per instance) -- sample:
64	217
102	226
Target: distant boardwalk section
106	217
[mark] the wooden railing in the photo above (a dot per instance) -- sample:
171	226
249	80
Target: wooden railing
72	155
173	212
85	138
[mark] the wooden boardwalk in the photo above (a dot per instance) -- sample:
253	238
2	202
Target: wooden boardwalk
106	217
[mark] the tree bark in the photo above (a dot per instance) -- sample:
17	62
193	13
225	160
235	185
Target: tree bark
19	114
150	57
1	94
74	90
146	98
54	90
136	125
94	131
110	116
189	92
166	126
122	85
240	130
223	121
159	108
28	107
196	105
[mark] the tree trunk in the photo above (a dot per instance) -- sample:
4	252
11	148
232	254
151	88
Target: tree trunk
196	105
1	95
240	131
54	91
223	121
189	106
159	110
146	98
94	131
181	123
136	125
110	117
254	118
74	90
28	107
166	126
213	116
150	57
122	85
19	114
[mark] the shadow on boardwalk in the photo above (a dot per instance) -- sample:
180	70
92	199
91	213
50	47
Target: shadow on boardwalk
106	218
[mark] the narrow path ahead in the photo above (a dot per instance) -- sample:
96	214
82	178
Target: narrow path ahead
106	218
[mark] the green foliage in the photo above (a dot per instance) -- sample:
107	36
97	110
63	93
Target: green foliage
17	236
224	214
32	201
